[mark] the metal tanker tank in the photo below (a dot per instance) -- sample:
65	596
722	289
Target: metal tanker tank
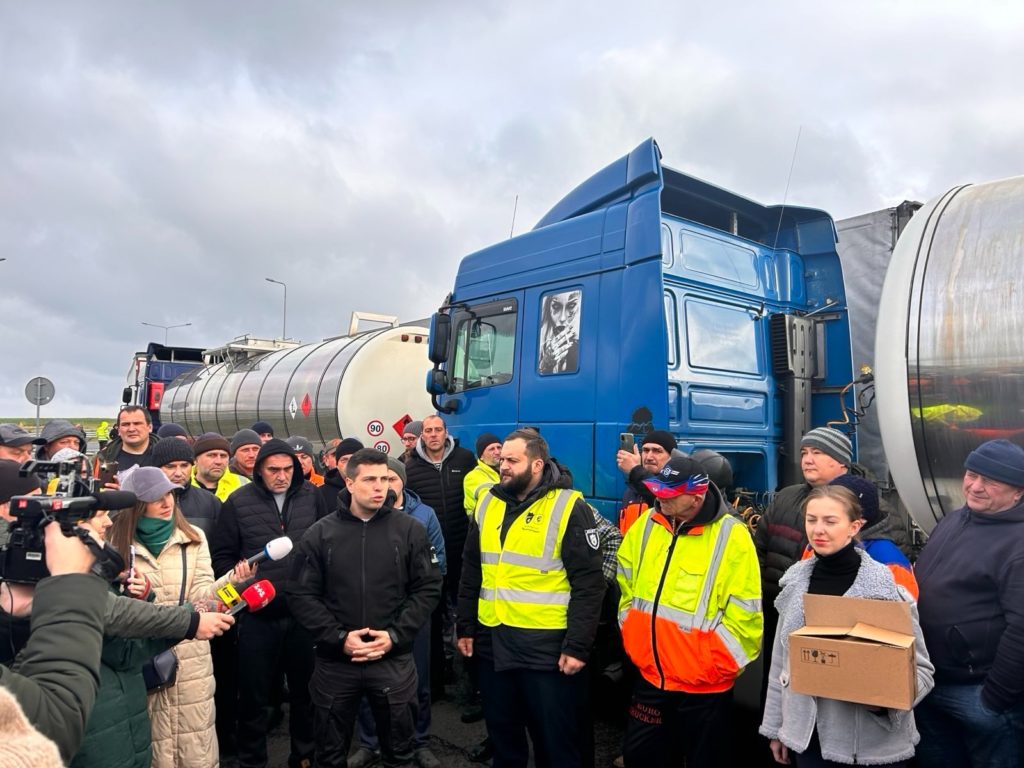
949	352
358	386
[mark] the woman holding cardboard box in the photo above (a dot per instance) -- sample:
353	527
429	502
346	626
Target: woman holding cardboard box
815	730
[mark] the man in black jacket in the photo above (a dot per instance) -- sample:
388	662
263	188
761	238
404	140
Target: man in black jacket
364	581
971	576
277	503
436	469
529	604
175	458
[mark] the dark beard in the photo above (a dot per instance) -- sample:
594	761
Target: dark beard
516	485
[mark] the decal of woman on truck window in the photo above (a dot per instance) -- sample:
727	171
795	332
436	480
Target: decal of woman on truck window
559	344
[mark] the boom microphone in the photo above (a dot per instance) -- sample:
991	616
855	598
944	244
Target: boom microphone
254	598
276	549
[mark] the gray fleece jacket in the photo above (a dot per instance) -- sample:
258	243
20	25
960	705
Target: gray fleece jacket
848	732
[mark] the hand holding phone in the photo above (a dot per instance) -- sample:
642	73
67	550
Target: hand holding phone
108	472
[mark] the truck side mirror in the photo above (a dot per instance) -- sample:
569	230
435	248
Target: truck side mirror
126	395
437	382
440	336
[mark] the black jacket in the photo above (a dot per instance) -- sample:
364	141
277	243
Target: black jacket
334	483
442	491
780	538
348	574
249	519
971	577
513	647
200	508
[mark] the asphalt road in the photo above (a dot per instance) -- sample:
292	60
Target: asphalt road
451	739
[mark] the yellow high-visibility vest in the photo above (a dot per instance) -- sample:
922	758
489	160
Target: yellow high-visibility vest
524	582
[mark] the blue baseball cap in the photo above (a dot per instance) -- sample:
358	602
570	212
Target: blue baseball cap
680	475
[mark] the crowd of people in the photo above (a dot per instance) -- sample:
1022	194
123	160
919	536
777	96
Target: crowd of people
401	563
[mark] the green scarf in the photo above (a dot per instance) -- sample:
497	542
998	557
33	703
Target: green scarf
154	533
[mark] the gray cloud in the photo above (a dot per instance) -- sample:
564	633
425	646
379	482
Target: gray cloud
157	162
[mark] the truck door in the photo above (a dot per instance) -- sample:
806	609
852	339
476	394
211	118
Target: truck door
558	378
484	370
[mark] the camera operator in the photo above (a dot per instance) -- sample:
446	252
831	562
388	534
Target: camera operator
56	677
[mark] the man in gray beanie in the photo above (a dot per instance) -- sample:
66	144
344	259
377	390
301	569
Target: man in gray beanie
780	536
245	447
971	577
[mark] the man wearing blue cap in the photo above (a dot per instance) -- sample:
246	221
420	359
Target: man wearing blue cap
690	613
971	576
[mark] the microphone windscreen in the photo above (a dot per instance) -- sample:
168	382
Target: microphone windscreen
258	595
279	548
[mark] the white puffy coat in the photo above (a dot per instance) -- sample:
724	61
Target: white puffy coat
183	714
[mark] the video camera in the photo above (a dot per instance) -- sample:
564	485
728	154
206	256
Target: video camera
76	497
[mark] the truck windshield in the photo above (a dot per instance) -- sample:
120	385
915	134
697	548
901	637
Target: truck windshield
485	342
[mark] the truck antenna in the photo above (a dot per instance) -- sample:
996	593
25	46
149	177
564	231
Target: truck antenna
789	178
515	207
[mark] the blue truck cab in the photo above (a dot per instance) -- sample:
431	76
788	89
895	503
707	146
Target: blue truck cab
649	299
152	371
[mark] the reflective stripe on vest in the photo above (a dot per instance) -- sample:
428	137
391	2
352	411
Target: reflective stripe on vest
698	620
524	583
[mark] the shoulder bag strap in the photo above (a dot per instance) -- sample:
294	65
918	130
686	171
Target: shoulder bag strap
184	574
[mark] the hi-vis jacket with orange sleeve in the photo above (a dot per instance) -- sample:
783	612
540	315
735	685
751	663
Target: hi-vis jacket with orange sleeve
690	610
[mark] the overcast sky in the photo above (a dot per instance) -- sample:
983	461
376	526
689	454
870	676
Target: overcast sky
159	160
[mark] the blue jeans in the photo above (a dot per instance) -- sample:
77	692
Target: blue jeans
958	729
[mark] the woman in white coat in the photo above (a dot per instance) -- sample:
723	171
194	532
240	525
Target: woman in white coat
175	558
827	732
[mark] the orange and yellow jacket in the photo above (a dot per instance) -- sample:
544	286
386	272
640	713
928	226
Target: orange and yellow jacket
690	610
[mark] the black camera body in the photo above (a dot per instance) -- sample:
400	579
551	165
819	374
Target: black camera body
76	498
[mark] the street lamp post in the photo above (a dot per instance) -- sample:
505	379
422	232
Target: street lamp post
284	317
166	328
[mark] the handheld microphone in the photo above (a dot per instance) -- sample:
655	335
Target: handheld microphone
254	598
276	549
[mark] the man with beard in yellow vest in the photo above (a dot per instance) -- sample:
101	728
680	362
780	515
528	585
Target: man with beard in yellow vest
529	603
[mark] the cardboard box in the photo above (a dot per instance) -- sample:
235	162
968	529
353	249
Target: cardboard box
856	650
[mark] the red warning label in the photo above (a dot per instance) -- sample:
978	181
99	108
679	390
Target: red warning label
306	406
400	425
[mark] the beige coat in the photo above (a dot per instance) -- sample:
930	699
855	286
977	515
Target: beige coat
183	714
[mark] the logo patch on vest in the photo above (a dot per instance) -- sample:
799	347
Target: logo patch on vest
593	539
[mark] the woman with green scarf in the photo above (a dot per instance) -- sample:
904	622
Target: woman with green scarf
175	559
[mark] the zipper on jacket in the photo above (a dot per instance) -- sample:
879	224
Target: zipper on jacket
362	574
654	611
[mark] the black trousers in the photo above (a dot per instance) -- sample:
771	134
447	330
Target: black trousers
666	726
389	686
263	644
548	705
224	652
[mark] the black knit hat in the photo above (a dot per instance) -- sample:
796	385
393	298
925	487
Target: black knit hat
263	428
172	449
347	447
662	438
485	440
866	493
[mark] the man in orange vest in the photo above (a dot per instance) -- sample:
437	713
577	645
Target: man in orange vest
690	613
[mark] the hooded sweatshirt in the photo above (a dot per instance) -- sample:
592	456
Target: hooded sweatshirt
250	518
